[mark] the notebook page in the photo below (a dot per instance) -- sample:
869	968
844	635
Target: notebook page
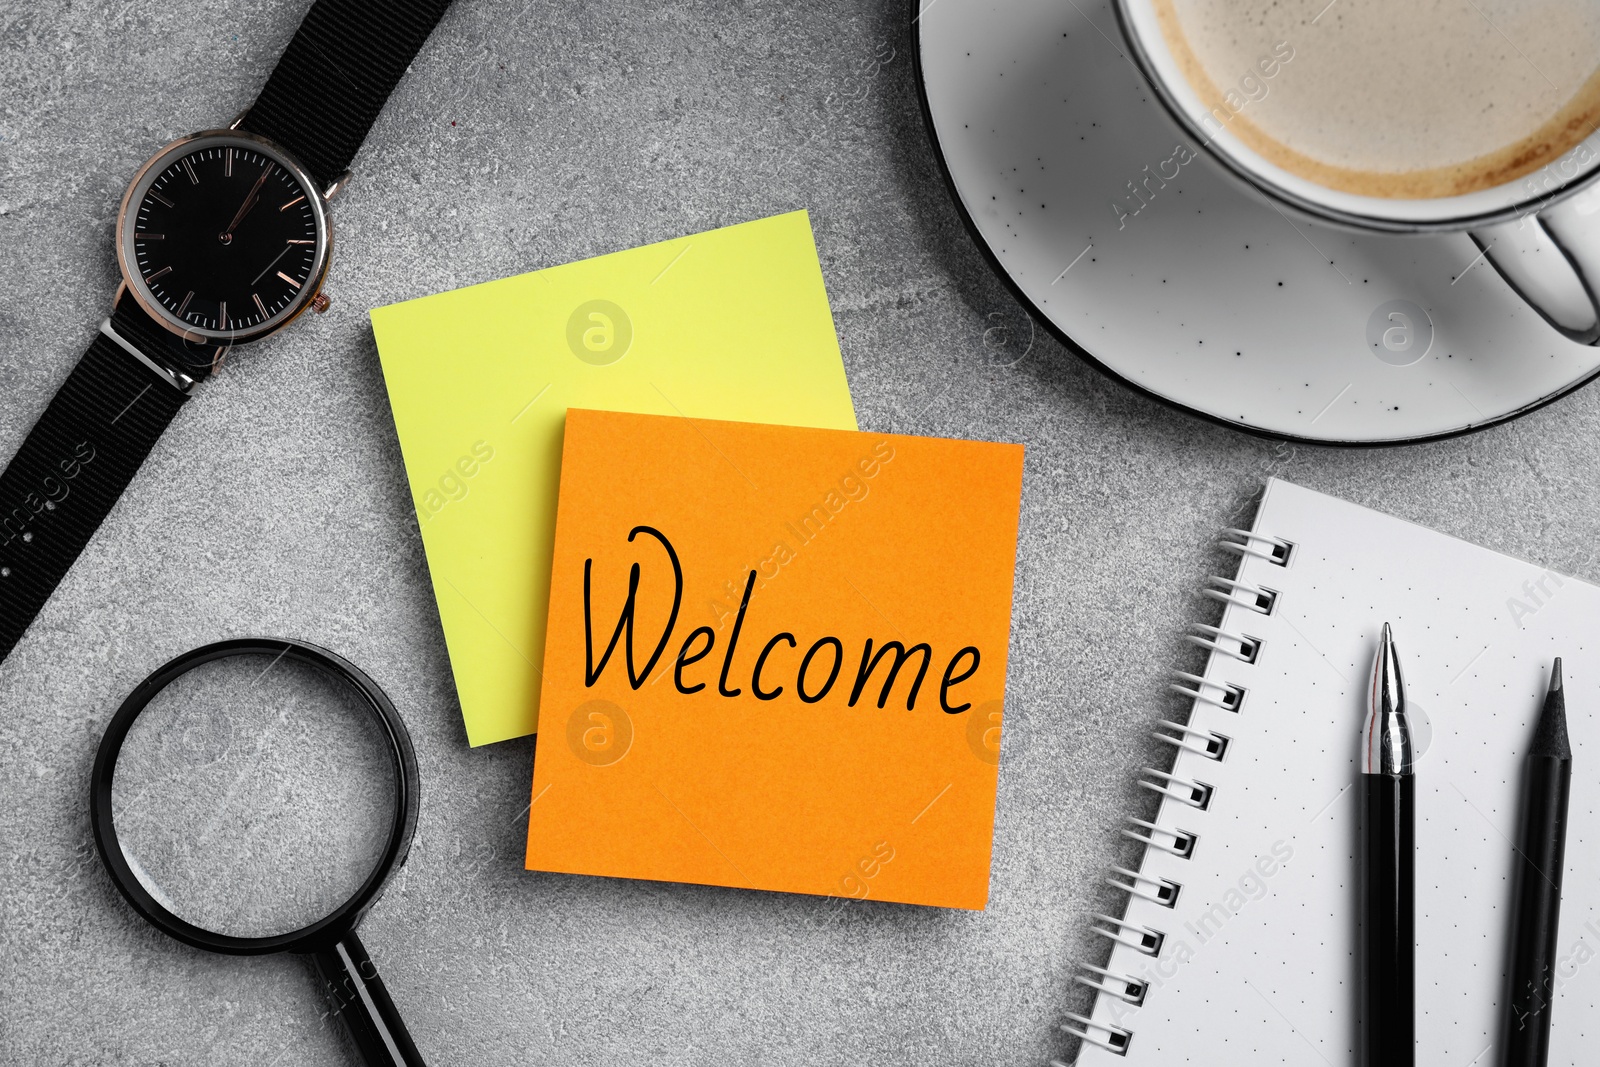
1257	963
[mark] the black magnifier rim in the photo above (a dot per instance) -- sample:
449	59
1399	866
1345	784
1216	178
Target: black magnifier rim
331	927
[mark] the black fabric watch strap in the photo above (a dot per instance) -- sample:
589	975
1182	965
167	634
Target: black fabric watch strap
334	77
70	470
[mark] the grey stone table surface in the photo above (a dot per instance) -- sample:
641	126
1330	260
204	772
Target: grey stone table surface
530	134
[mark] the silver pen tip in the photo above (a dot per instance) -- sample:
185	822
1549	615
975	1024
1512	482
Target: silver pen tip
1386	737
1388	685
1555	676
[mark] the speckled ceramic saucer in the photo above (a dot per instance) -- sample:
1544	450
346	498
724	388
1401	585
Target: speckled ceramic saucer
1149	261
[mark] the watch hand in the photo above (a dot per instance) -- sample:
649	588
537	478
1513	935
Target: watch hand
249	202
274	263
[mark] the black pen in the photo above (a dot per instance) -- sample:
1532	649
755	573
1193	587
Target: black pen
1388	873
1536	896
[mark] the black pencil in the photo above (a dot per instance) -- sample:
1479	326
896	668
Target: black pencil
1536	893
1388	871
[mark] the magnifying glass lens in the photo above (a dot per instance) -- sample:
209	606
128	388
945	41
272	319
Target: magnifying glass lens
254	795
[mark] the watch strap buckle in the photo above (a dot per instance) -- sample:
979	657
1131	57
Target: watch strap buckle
180	381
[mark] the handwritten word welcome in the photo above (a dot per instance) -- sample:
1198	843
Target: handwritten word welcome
826	653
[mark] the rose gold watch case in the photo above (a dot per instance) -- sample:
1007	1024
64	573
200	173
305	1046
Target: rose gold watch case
147	175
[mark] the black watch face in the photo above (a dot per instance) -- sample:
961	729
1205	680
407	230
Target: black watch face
223	236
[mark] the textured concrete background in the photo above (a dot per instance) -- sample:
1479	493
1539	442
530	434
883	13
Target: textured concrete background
530	134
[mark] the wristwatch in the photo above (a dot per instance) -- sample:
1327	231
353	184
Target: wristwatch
223	238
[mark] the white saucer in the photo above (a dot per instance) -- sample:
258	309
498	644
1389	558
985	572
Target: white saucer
1207	296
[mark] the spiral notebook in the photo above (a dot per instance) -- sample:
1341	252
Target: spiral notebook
1237	943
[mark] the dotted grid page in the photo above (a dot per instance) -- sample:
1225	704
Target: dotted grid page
1257	956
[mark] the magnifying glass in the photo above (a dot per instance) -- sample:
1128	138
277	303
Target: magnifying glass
254	796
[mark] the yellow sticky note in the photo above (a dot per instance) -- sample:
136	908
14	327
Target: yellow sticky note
729	324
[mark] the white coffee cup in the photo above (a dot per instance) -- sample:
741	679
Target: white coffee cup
1541	230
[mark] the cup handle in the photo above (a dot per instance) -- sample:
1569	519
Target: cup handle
1552	260
356	994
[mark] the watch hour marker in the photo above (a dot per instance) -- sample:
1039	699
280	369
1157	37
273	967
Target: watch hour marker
288	279
189	170
185	305
158	197
227	164
291	203
157	274
222	315
149	237
259	305
294	242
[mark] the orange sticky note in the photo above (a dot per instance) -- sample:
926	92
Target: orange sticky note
776	658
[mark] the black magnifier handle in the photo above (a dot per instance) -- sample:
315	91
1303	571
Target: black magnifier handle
357	996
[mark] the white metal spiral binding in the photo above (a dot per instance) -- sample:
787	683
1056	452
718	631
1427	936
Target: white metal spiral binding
1249	597
1212	744
1231	698
1181	845
1123	988
1247	543
1202	742
1142	939
1197	794
1164	892
1244	648
1116	1039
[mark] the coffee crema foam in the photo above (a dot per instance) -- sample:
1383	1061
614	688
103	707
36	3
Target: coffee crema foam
1400	99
